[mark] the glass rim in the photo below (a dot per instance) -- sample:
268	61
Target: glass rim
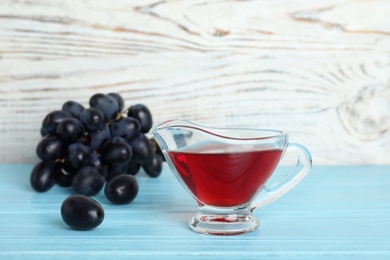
256	133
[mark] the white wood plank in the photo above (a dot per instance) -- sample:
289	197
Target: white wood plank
317	70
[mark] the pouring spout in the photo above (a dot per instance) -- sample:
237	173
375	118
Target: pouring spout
156	132
172	134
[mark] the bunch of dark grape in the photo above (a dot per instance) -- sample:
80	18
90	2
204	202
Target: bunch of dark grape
86	148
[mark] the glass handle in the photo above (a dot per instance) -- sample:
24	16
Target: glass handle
289	181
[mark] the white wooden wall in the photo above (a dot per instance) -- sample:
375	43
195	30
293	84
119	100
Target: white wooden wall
317	69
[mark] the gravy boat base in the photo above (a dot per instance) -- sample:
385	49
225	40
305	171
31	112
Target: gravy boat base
228	223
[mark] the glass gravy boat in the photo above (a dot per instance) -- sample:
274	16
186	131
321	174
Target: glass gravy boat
225	170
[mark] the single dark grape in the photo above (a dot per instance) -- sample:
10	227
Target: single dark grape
143	115
81	212
78	155
72	107
106	104
70	130
64	175
42	176
92	119
122	189
142	149
88	181
126	127
117	151
119	100
155	167
50	148
133	167
51	121
99	137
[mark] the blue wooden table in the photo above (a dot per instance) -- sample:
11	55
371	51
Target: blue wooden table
336	212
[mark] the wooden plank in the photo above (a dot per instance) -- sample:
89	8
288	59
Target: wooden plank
317	70
336	212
